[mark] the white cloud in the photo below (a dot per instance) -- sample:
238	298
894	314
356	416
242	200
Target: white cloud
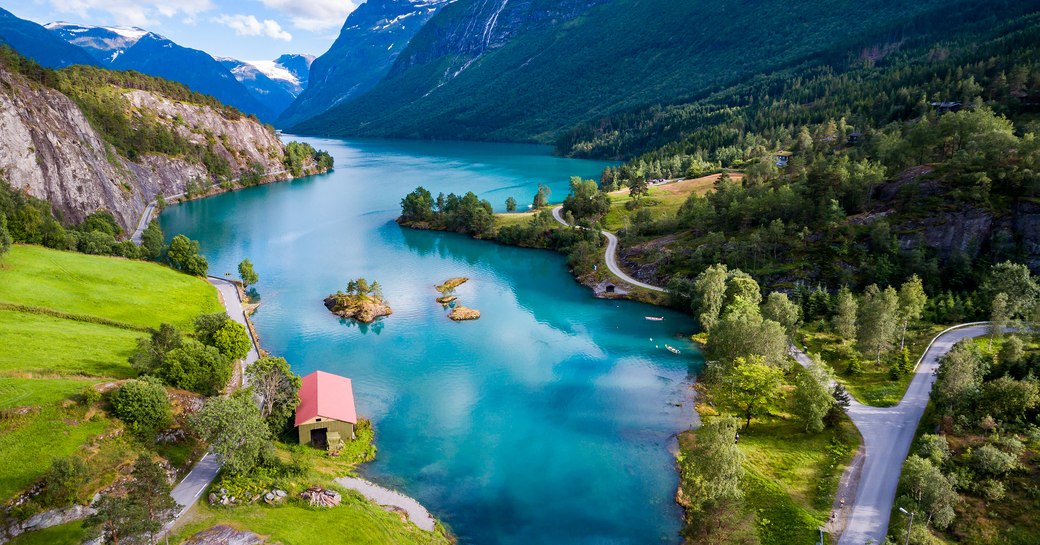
314	15
249	25
142	13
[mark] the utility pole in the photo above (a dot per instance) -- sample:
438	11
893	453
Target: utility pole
909	526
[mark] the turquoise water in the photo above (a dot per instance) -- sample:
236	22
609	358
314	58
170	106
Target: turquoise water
548	421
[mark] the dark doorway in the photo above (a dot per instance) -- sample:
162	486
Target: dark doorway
610	288
320	438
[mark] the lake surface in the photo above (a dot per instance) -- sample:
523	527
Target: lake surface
547	421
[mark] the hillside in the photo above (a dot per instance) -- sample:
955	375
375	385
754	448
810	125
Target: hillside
277	83
37	43
371	39
87	139
532	70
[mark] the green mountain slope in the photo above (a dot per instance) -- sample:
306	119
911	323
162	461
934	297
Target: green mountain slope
543	69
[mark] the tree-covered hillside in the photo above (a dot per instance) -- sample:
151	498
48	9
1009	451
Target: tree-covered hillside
537	76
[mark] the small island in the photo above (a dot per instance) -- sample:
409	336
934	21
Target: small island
461	313
362	302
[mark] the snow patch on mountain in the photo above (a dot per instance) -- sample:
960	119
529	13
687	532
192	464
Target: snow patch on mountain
274	71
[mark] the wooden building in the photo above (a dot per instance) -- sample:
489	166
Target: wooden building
326	416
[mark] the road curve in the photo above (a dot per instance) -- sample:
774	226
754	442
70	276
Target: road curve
611	255
887	434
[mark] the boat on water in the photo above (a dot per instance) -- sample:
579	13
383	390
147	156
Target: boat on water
672	349
655	318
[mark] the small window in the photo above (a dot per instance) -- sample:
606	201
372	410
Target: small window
317	420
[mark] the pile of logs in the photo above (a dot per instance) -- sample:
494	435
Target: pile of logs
320	497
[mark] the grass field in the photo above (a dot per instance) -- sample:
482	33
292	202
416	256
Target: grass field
46	361
72	532
791	476
872	386
133	292
663	200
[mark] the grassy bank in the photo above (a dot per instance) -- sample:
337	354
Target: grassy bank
46	360
790	475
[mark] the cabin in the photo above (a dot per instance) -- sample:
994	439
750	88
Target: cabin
782	157
853	138
326	417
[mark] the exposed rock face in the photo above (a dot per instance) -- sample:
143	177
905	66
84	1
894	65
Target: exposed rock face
46	519
49	149
224	535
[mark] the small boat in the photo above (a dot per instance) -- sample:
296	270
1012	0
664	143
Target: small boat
672	349
655	318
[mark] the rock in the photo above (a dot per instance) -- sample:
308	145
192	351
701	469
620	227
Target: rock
212	498
461	313
224	535
446	300
365	310
280	493
320	497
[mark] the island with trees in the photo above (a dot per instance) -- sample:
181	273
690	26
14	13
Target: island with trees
362	302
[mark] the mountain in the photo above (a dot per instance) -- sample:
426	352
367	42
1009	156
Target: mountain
121	48
528	70
277	83
371	39
38	44
88	139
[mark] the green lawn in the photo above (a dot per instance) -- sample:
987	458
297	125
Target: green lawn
133	292
70	533
43	345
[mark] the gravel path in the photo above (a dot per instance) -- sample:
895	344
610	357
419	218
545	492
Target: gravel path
611	255
416	512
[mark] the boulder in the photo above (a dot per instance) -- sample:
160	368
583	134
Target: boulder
224	535
461	313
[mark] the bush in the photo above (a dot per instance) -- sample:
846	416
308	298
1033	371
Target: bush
991	490
232	340
90	396
62	481
143	405
934	448
196	367
989	460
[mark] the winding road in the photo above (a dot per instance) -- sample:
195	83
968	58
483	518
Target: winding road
887	434
610	255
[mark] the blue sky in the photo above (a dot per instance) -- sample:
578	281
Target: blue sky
243	29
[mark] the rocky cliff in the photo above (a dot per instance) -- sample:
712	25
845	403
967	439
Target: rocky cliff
49	149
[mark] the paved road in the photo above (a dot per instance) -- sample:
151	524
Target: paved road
887	434
187	492
611	255
146	217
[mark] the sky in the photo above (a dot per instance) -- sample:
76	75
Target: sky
242	29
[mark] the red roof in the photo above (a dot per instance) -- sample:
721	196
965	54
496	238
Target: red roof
324	395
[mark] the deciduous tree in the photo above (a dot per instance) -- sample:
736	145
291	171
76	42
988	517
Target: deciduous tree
276	390
812	396
932	490
709	295
232	340
510	204
196	367
845	316
247	274
143	405
234	428
877	321
781	309
912	300
752	387
713	469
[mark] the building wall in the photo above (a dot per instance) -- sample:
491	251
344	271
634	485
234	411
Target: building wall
345	429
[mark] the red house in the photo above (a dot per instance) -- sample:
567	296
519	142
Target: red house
326	414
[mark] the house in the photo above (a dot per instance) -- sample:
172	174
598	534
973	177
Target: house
326	414
853	138
782	157
943	107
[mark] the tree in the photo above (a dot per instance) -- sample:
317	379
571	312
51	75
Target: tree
812	396
877	320
117	518
1014	280
1000	316
62	481
232	340
417	205
206	326
713	469
510	204
541	199
742	332
840	405
740	285
935	448
752	386
780	309
149	492
845	314
958	380
932	490
991	461
1012	351
5	236
234	428
143	405
152	240
912	300
152	350
586	201
709	295
184	256
196	367
276	391
247	274
1008	399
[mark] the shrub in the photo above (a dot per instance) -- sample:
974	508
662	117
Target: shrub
62	481
196	367
989	460
231	340
143	405
90	396
934	448
991	490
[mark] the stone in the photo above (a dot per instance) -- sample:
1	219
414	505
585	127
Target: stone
224	535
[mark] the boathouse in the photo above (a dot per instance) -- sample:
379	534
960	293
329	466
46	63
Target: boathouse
326	417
